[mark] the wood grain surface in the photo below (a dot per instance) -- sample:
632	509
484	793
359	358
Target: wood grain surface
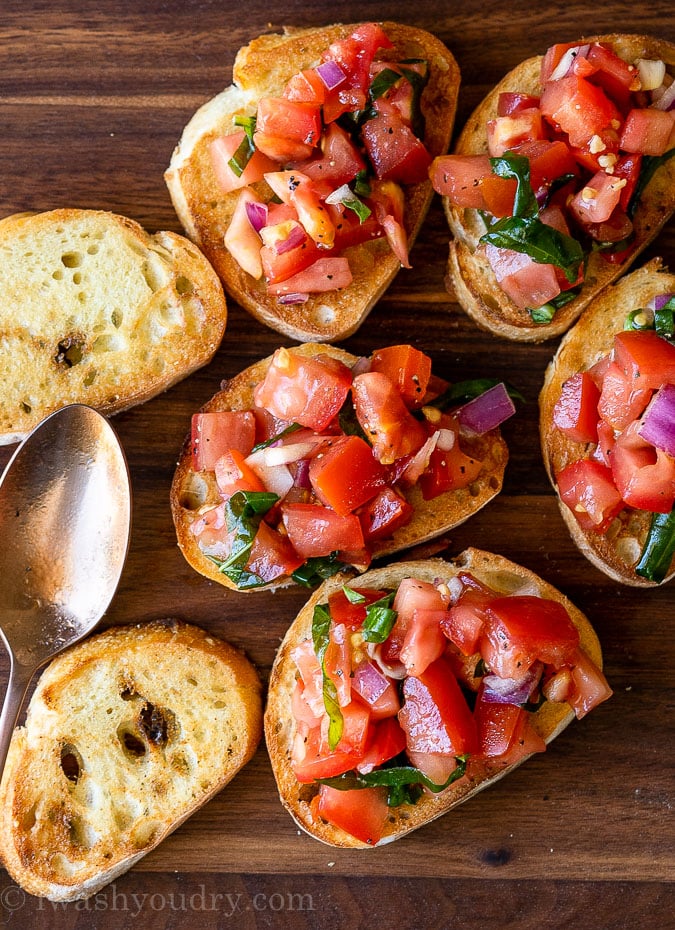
93	98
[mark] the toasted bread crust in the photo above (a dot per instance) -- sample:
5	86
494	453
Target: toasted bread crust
617	552
95	310
156	718
469	275
494	570
262	68
192	492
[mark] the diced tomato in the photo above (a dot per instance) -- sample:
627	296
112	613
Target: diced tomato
361	812
355	728
435	715
338	662
616	229
395	152
234	474
498	194
528	283
597	199
496	725
552	59
606	442
340	160
311	675
281	116
588	489
348	613
576	411
325	274
305	390
217	432
342	100
318	531
647	131
287	250
524	742
506	132
388	199
221	151
448	470
509	103
647	358
644	475
272	555
466	619
295	188
377	691
458	177
424	641
306	87
355	54
384	514
612	73
345	474
311	758
413	594
241	239
384	418
628	167
600	145
213	536
406	367
386	742
548	162
590	685
280	149
523	628
578	108
621	398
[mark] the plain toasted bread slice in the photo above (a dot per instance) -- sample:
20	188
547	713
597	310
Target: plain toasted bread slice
262	68
617	552
470	276
193	492
126	735
97	311
495	571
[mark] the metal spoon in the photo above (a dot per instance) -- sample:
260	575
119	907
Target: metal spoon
65	517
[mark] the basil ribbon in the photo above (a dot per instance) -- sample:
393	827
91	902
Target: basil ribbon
321	621
243	514
397	779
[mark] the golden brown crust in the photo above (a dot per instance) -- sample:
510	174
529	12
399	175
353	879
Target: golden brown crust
590	339
470	276
499	573
262	68
193	492
153	720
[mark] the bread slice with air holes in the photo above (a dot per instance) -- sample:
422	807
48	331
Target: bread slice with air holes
469	275
95	310
126	735
262	68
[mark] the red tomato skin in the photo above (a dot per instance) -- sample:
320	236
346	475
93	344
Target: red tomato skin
435	714
280	116
280	266
496	725
424	641
466	619
647	131
342	610
576	411
644	476
222	149
509	103
387	741
408	368
361	812
528	283
233	474
587	488
628	167
590	685
506	132
598	199
458	177
578	108
340	161
304	390
552	58
448	471
382	516
272	555
345	474
217	432
537	627
316	531
384	418
395	152
647	358
316	760
621	398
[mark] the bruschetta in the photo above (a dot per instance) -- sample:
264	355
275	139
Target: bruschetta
559	179
399	694
306	181
313	460
607	413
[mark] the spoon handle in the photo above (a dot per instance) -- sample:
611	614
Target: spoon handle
17	685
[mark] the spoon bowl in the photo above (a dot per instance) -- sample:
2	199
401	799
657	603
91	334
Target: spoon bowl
65	516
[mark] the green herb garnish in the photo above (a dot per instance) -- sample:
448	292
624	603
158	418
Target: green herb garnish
321	622
380	618
650	164
246	148
292	428
546	312
354	597
316	570
398	779
659	548
383	82
243	514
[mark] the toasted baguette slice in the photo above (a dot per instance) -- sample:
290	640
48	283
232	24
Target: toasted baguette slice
97	311
126	735
193	492
617	552
262	68
470	276
495	571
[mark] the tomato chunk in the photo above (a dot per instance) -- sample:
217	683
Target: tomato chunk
647	358
217	432
361	812
587	487
578	108
576	410
298	121
496	725
384	514
346	474
221	151
647	131
272	555
234	474
458	177
384	418
621	398
524	628
590	685
318	531
408	368
448	470
644	475
393	149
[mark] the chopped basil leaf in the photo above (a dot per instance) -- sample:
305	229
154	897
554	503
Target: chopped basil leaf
383	82
659	548
354	597
316	570
243	514
321	621
395	778
664	319
358	206
481	668
361	184
462	391
292	428
555	185
619	246
246	148
380	618
518	167
543	314
544	244
650	164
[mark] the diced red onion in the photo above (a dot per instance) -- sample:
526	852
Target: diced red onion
487	411
295	237
420	460
289	299
257	214
658	303
658	421
331	74
667	99
361	366
369	682
498	690
302	475
567	60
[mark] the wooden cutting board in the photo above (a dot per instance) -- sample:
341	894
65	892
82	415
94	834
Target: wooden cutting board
93	97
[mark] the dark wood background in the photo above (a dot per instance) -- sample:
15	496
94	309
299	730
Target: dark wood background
93	97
